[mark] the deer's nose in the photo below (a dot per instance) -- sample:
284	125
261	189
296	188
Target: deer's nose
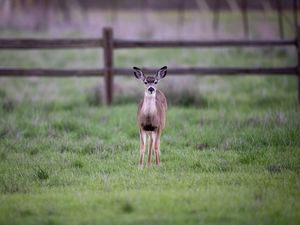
150	89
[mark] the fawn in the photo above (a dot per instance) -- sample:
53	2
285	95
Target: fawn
151	114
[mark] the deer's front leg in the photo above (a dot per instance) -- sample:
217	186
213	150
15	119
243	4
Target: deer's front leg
150	147
142	147
157	146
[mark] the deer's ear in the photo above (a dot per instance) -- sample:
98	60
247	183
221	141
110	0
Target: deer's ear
138	73
162	72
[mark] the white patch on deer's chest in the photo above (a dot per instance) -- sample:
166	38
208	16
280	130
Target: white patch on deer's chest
149	106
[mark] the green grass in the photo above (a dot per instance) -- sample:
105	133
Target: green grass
231	157
79	165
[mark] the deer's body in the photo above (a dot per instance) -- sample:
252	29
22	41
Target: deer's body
151	115
152	112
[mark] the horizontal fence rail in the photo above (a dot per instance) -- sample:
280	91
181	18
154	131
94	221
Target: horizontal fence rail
14	72
28	44
218	71
108	44
203	44
128	72
49	43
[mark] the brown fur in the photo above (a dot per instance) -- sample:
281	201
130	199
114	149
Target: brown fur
151	115
152	122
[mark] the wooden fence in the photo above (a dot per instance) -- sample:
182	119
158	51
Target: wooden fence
108	43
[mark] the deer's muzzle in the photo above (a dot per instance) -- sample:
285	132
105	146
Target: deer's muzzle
151	90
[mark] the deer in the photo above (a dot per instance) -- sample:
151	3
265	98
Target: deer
151	114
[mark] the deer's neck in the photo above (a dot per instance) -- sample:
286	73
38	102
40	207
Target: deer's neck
149	105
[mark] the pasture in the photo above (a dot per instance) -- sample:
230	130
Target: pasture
230	151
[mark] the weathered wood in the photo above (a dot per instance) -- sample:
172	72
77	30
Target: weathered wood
14	72
108	63
125	71
108	44
245	18
298	90
280	21
295	15
27	44
216	17
216	71
203	44
298	61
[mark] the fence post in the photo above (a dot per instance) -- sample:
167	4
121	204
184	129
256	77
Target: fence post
298	61
216	17
295	14
107	34
245	18
280	21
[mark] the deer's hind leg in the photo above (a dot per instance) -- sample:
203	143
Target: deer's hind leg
142	148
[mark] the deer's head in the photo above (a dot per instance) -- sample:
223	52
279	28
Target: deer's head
150	82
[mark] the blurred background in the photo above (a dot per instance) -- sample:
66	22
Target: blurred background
150	19
66	158
147	20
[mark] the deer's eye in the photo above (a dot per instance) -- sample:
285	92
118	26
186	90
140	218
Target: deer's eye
145	82
155	82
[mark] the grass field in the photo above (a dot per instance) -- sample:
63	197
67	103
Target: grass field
230	152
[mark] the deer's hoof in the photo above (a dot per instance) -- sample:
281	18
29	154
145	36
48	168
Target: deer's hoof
141	167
